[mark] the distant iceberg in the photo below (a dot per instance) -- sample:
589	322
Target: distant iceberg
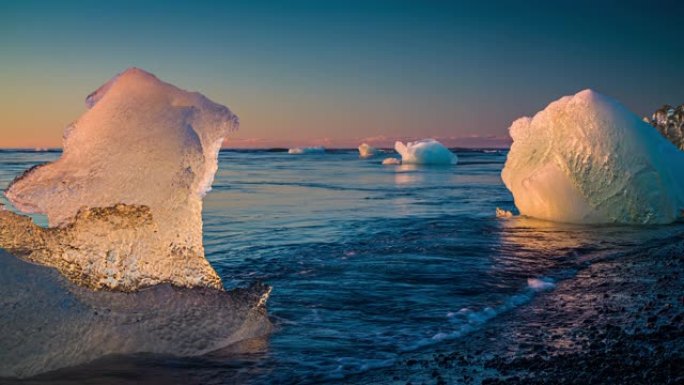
391	161
425	152
588	159
306	150
366	150
124	201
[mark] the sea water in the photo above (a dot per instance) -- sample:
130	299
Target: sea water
367	262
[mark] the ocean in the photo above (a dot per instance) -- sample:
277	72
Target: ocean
369	264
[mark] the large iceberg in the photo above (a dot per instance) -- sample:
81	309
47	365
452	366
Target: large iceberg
124	206
670	122
124	201
367	151
588	159
425	152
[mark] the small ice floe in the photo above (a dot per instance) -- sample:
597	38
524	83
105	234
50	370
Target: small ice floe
425	152
367	151
306	150
501	213
540	284
391	162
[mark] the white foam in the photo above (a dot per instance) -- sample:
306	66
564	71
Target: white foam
540	284
425	152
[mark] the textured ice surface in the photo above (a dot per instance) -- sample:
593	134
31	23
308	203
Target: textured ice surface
588	159
670	122
145	153
391	161
47	323
306	150
366	150
426	151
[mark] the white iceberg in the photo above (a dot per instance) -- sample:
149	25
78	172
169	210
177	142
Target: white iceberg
391	161
124	201
588	159
367	151
425	152
306	150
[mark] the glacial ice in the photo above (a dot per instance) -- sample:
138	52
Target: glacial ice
367	151
124	201
425	152
588	159
306	150
47	323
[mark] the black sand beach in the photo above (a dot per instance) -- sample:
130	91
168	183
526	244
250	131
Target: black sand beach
617	321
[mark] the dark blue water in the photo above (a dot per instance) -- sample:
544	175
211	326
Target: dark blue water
366	261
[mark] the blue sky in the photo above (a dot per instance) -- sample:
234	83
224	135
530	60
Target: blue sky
335	72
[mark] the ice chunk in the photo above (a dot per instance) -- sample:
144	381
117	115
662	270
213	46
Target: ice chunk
427	151
366	150
670	122
502	213
125	198
306	150
391	161
47	323
588	159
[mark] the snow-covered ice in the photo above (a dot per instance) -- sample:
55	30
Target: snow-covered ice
366	150
426	152
587	159
306	150
125	199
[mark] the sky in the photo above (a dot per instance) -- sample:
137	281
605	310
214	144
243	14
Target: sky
336	73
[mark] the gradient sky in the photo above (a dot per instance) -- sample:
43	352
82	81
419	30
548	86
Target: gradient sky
335	72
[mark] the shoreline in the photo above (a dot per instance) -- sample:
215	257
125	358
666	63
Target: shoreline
617	321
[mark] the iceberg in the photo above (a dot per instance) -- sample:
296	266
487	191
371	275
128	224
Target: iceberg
367	151
426	152
306	150
670	122
120	269
124	201
391	161
587	159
